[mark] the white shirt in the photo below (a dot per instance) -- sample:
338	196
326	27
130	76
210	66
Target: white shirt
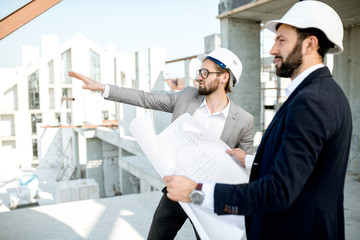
208	188
105	94
298	80
213	122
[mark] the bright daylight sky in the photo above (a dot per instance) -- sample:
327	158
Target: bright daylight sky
132	25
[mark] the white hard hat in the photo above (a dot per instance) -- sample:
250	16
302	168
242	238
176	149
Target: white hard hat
314	14
225	59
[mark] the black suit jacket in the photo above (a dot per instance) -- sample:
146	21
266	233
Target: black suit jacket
297	179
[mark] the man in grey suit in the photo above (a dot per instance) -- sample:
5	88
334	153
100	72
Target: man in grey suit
209	105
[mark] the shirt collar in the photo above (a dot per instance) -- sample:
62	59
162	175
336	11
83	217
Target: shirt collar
224	112
296	82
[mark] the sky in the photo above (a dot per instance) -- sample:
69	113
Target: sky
133	25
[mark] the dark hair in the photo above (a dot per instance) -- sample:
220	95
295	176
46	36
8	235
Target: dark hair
324	43
223	70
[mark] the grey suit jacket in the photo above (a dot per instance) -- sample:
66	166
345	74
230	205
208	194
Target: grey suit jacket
239	126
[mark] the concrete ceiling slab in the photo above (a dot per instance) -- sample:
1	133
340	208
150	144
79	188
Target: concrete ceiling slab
265	10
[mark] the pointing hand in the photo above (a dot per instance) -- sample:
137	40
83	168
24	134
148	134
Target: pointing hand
89	83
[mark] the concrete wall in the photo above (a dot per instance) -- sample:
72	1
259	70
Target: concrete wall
111	169
243	38
50	147
346	73
94	166
212	42
128	181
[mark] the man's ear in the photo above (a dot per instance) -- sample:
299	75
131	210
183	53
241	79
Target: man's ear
311	45
225	78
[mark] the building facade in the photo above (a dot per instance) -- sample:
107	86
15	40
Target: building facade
48	119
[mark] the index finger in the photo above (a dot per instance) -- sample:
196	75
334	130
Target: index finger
73	74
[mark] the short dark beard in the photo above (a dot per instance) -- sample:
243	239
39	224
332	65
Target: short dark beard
210	89
291	63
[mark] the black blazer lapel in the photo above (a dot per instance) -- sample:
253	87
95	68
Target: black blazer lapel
321	72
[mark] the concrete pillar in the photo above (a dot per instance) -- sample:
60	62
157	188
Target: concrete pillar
82	149
144	186
243	38
126	70
111	169
75	153
63	113
212	42
157	69
140	72
94	166
157	84
126	186
187	77
346	72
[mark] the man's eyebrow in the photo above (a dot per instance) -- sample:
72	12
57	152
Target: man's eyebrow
279	36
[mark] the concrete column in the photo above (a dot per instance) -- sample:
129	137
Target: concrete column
82	149
94	166
140	72
157	84
212	42
144	186
243	38
126	70
111	169
157	69
75	153
124	176
187	78
346	72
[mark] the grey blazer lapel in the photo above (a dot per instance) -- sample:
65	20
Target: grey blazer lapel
194	104
229	123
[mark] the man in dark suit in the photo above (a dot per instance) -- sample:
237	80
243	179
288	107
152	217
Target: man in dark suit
297	179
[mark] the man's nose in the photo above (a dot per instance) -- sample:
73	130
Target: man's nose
274	50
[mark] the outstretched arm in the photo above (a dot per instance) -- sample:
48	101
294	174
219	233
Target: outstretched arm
89	83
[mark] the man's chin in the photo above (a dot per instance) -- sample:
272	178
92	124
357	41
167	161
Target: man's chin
278	66
202	91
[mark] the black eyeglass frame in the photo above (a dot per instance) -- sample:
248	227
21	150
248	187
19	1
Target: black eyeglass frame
199	72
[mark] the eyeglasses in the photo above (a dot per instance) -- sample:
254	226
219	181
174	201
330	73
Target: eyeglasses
204	73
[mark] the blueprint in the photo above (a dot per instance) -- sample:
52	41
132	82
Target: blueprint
186	148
